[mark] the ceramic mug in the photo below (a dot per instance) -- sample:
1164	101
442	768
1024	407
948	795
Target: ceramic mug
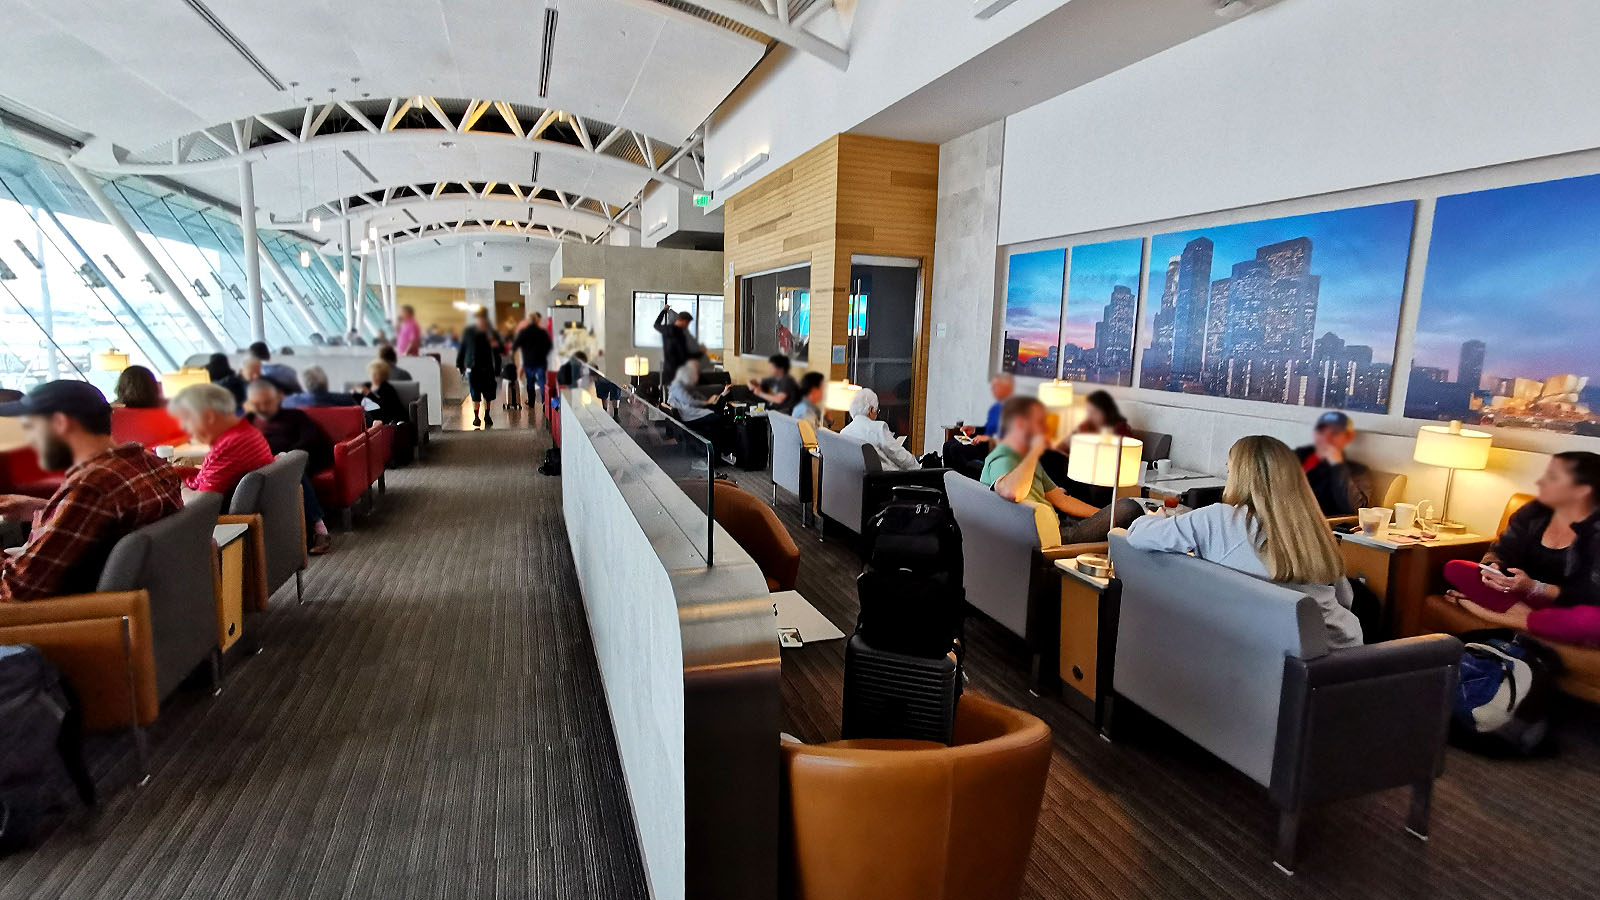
1405	516
1163	466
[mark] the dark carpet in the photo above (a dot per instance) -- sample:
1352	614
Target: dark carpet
430	723
1153	816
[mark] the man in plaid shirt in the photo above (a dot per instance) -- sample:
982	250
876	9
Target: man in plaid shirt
109	491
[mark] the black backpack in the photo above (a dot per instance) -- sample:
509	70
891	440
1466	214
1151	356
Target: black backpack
41	732
552	462
1503	695
911	594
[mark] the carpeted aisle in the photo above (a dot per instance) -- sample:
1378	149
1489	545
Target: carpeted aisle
429	724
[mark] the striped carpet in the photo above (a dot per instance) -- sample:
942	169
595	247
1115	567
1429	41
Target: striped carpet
429	724
1153	816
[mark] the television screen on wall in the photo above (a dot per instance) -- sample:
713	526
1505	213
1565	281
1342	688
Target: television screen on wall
1031	340
1102	304
1510	309
1301	310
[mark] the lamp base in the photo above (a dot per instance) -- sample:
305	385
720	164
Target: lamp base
1449	528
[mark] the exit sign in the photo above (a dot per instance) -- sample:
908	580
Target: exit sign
702	199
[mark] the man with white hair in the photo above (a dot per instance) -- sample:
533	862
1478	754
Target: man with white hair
210	416
865	426
316	392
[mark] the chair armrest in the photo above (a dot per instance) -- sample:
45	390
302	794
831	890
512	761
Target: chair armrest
76	607
1068	551
1336	521
84	636
256	549
1413	654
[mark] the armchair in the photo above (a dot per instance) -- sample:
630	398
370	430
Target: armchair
791	458
1241	666
268	501
1388	488
756	528
854	483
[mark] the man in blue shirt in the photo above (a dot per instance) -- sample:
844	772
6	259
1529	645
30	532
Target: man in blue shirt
968	456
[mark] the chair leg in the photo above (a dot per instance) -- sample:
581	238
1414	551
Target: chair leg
140	748
1108	708
299	587
1421	804
1288	840
383	486
347	519
216	672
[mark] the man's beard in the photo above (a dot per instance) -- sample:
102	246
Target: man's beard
56	456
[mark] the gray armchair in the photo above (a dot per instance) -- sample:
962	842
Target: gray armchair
171	560
270	502
855	484
1156	444
791	458
1241	666
416	402
1008	554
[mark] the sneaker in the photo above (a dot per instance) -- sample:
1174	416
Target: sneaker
488	421
476	421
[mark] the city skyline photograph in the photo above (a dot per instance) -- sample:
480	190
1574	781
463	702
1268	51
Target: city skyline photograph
1032	326
1510	305
1300	309
1102	305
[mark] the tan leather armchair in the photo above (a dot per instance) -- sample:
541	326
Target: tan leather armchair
756	528
103	646
1388	488
915	820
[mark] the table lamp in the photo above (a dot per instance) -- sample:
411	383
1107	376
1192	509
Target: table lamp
636	367
173	382
112	360
1056	395
1451	447
1106	459
839	394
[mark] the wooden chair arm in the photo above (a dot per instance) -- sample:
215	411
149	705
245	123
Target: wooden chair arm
76	607
84	636
1068	551
256	564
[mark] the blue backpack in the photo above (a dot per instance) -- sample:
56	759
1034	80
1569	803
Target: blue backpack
1502	701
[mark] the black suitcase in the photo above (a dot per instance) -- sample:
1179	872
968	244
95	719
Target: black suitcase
897	695
750	442
910	591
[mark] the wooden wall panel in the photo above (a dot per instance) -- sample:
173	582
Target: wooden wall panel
850	194
434	305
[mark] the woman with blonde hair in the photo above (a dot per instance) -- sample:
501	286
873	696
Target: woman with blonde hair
1268	525
388	408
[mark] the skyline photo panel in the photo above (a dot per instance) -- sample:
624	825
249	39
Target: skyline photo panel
1031	336
1301	309
1102	306
1510	309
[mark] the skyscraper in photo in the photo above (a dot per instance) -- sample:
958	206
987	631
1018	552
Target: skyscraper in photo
1469	372
1113	335
1216	332
1193	290
1158	361
1008	354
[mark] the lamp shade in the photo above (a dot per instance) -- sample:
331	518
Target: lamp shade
173	382
110	361
1105	459
635	366
839	394
1452	447
1056	394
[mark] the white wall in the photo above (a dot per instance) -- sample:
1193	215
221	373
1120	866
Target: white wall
1301	99
1301	107
472	264
624	271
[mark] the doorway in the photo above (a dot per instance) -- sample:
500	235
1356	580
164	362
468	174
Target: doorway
885	311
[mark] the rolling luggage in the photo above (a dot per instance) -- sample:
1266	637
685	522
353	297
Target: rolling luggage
750	442
902	668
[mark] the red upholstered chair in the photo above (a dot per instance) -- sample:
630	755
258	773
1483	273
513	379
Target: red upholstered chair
20	473
150	427
380	438
341	486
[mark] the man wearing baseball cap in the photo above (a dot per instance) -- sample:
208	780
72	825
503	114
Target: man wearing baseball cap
1341	484
109	491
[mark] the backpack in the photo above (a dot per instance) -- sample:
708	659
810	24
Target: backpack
41	729
552	462
1503	693
912	600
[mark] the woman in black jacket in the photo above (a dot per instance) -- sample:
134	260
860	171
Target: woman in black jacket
478	359
1542	575
391	410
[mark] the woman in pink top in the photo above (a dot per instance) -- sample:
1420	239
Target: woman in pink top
407	334
207	412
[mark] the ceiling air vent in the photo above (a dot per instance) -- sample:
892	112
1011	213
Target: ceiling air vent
359	167
239	47
547	50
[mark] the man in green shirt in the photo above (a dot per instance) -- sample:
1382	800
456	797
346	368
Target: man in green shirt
1012	469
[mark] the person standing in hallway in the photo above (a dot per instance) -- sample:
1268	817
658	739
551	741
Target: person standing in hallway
478	360
677	345
532	347
407	333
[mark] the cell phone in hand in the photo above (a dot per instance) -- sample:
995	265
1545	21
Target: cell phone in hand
1491	567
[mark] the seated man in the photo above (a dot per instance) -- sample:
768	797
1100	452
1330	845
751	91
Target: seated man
1012	469
278	373
864	425
1340	484
207	412
317	393
779	389
701	416
809	409
967	458
290	429
387	354
109	492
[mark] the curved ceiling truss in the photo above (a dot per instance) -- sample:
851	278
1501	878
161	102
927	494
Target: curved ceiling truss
317	126
415	204
481	229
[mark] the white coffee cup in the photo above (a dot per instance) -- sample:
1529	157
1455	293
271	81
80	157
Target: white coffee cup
166	451
1163	466
1405	516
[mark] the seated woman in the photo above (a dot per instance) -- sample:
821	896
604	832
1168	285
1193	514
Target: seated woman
865	426
699	415
391	410
137	388
1100	414
1543	573
1267	525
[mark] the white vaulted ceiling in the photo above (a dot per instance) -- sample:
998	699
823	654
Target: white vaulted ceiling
133	80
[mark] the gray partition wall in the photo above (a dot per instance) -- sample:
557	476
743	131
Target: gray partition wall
688	652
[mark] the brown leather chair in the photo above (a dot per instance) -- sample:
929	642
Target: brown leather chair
916	820
1582	675
756	528
1388	488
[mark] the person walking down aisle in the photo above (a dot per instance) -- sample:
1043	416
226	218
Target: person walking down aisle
532	347
478	360
1268	525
